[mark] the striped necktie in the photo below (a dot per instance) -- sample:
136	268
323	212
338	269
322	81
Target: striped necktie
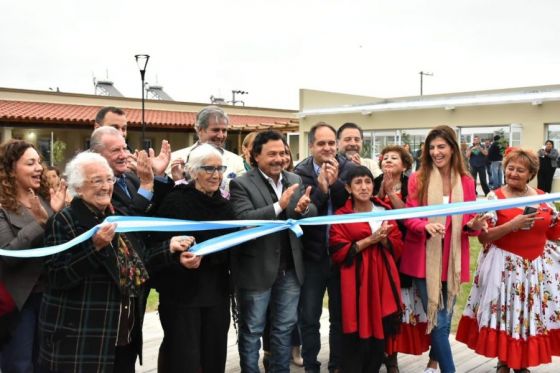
122	184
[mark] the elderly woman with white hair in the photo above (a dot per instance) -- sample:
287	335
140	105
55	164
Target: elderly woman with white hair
194	301
92	311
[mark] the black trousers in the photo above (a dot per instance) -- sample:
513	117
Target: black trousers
361	355
545	176
194	338
481	171
125	359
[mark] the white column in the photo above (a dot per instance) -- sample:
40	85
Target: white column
6	133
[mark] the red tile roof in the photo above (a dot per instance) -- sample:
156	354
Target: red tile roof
64	114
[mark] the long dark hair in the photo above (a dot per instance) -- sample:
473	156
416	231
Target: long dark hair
450	137
10	152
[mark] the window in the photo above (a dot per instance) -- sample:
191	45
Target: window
375	141
293	143
553	133
44	147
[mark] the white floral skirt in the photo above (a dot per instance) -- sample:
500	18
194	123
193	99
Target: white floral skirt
513	310
412	338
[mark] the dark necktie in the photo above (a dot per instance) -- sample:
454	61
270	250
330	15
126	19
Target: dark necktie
329	212
122	184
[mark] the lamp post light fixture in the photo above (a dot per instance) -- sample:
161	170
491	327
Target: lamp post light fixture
422	73
142	62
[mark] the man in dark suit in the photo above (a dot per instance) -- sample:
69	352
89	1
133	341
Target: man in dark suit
268	270
324	171
113	117
134	194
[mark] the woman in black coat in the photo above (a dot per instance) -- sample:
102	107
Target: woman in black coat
93	307
548	161
195	299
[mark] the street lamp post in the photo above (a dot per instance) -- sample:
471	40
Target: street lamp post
422	73
142	62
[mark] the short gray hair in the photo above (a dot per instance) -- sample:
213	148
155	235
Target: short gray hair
199	155
204	115
74	171
96	139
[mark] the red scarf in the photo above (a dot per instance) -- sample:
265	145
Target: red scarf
367	295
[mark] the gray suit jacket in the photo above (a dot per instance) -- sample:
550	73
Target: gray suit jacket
19	230
255	264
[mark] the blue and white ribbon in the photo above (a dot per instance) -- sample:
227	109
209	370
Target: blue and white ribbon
264	227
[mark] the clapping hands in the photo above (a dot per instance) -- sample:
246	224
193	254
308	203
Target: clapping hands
328	174
160	163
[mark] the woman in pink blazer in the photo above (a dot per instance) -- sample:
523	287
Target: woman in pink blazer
436	250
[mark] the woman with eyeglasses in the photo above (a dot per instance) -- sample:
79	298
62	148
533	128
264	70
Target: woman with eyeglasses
194	301
25	208
93	308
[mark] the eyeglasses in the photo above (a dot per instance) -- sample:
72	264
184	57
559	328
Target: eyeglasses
211	169
98	181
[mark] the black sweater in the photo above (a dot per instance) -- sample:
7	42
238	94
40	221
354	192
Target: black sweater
209	284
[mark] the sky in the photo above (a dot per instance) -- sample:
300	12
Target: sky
271	49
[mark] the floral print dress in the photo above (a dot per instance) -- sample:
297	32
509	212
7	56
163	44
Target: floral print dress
412	338
513	310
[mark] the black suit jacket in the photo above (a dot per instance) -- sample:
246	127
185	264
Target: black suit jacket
315	237
255	264
137	205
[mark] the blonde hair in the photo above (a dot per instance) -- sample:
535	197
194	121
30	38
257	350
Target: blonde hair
526	156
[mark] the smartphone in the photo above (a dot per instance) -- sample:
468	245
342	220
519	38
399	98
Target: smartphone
529	210
484	214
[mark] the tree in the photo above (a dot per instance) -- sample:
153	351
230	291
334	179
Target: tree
405	138
58	149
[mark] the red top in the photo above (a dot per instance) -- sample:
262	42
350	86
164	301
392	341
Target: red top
528	244
366	290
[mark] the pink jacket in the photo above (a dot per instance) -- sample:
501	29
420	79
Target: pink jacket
413	260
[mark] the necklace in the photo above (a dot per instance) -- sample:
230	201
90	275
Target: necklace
516	193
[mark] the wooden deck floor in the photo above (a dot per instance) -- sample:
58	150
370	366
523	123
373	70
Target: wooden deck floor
466	360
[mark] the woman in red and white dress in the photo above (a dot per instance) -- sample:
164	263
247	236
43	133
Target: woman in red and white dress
392	188
513	311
